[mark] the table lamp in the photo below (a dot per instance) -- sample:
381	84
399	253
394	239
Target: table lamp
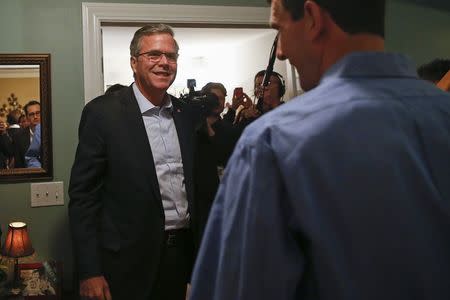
17	244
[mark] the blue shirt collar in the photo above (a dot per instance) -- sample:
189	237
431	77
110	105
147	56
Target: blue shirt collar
145	104
371	64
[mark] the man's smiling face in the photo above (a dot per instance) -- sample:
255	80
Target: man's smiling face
155	75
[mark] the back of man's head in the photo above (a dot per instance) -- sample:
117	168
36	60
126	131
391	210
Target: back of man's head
13	117
114	88
352	16
214	85
434	70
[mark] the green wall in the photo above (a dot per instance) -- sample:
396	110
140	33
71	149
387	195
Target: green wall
54	26
422	33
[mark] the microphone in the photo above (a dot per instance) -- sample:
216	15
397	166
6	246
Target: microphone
267	75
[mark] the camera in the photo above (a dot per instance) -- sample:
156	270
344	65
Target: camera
238	92
204	103
191	84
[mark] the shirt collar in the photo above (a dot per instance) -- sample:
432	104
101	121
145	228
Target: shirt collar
371	64
145	105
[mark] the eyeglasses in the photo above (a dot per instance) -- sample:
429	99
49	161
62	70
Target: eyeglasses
34	114
155	56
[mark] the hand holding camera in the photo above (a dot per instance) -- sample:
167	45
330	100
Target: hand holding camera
240	98
444	83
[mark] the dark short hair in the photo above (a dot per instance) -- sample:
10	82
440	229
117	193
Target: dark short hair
434	70
32	102
352	16
114	88
214	85
13	116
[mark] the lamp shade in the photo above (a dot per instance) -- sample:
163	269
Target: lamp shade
17	242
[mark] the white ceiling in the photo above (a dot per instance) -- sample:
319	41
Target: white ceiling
188	38
226	36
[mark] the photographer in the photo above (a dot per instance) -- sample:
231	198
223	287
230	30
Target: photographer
217	89
205	107
222	133
268	98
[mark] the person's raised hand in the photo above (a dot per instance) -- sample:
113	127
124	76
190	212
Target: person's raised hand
95	288
237	101
251	112
444	83
247	102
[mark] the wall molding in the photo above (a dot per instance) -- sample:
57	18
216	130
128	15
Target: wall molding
31	72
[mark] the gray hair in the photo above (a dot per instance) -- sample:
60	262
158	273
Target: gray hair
151	29
214	85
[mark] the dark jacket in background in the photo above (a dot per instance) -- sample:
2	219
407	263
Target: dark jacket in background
21	141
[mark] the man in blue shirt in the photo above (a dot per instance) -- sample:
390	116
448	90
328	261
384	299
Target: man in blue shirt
343	192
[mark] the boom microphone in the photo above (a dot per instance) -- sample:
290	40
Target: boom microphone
267	75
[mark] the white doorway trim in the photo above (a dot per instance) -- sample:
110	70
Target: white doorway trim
94	14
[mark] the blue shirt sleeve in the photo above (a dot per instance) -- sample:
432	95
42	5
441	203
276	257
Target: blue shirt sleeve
248	251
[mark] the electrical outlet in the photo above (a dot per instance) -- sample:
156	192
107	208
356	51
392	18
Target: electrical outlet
47	194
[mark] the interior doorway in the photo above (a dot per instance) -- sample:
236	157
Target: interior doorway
98	16
231	56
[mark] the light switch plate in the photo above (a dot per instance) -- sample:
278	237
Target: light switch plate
47	194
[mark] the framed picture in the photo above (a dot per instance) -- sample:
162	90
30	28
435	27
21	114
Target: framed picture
41	280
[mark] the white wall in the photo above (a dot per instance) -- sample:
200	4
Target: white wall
231	56
254	57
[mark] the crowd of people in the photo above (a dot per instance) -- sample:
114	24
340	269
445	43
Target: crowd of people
20	138
340	193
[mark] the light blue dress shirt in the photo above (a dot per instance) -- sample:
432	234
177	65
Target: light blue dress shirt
163	139
341	193
33	154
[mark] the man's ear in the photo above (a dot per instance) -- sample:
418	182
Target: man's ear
133	63
314	19
444	83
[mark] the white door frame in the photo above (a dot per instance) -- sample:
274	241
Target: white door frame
95	13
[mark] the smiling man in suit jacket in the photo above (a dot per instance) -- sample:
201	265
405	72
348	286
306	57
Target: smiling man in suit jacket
131	190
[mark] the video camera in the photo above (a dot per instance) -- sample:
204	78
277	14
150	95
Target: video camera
205	103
